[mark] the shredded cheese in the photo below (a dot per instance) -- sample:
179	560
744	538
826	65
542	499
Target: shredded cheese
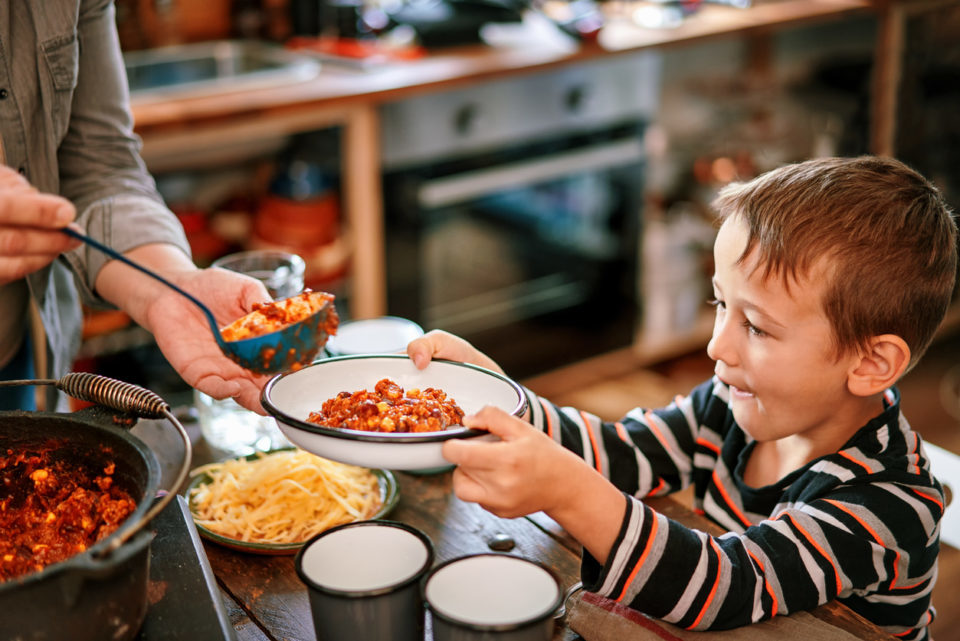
282	497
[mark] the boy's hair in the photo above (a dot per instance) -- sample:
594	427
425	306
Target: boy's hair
889	236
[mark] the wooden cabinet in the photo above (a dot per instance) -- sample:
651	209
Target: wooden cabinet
222	127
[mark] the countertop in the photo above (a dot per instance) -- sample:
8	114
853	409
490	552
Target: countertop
221	128
338	87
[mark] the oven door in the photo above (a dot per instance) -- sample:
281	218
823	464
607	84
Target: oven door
530	253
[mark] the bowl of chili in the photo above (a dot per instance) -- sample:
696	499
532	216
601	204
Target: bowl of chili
380	411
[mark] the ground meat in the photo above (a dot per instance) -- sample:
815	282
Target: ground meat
389	409
52	509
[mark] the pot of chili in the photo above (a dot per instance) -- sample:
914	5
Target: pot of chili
76	494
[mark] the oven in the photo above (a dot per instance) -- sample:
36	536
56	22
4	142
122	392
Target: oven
513	210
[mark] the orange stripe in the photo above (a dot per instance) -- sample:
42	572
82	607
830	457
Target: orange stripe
910	587
713	590
726	497
876	537
651	422
766	584
593	440
929	498
819	549
916	450
929	620
643	556
860	463
707	444
622	433
660	486
548	416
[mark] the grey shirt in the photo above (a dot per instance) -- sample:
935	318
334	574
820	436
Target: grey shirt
65	123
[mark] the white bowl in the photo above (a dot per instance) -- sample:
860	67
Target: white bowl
290	398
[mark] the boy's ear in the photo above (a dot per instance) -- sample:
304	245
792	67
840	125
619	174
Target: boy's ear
880	366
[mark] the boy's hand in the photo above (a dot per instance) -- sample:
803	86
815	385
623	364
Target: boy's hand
30	222
440	344
526	472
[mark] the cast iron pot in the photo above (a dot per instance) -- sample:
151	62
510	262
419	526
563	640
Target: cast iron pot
99	594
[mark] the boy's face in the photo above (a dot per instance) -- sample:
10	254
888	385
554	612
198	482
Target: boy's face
774	348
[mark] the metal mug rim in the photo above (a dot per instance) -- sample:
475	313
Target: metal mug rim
367	593
549	614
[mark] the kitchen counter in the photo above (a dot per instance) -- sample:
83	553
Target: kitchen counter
174	129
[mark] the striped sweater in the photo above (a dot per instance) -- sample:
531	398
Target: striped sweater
860	525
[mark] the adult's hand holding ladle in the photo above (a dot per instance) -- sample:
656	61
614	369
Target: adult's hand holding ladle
293	345
30	222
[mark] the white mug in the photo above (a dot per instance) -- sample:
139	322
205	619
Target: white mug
495	595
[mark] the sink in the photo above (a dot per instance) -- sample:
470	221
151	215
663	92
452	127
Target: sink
215	67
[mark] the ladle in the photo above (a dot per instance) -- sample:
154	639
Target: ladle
295	344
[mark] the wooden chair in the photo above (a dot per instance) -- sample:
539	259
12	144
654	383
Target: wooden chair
945	465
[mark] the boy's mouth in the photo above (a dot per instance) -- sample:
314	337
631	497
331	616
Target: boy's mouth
736	392
740	393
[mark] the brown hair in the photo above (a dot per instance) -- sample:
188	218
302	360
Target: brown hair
887	233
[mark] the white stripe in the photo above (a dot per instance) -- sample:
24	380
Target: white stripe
721	390
594	426
622	554
814	571
686	407
896	599
574	415
768	577
877	551
553	416
536	411
860	457
630	545
839	472
919	507
695	583
644	471
720	514
674	451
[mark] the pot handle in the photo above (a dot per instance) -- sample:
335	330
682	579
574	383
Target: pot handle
131	399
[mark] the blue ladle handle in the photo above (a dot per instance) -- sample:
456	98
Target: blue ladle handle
112	253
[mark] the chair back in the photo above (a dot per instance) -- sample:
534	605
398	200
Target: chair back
945	465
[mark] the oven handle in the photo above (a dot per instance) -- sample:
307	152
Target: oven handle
448	190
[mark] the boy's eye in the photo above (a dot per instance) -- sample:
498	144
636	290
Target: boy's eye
715	302
753	329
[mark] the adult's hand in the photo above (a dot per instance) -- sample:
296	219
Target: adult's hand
186	339
29	227
179	327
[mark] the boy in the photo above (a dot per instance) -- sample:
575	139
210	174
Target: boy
831	277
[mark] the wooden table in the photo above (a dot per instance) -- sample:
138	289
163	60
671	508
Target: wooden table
265	599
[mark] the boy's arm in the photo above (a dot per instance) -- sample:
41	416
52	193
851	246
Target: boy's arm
646	453
872	544
806	556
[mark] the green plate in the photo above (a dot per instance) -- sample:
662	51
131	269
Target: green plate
389	495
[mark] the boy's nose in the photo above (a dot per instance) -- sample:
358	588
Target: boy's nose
720	347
